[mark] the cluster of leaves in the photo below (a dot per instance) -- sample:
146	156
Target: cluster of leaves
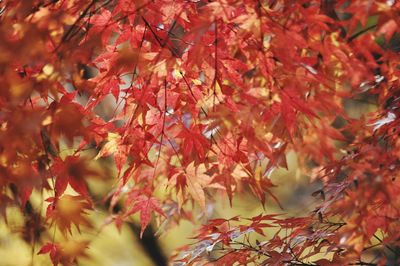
193	97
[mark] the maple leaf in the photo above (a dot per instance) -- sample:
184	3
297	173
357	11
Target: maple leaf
53	250
193	141
228	182
64	253
68	120
114	146
111	146
73	171
145	205
68	210
196	181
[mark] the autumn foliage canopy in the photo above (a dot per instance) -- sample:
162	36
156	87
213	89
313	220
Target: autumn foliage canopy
192	101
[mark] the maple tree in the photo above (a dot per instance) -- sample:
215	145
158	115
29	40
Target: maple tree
194	98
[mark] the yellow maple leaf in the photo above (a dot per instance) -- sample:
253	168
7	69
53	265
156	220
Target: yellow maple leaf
111	145
196	181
